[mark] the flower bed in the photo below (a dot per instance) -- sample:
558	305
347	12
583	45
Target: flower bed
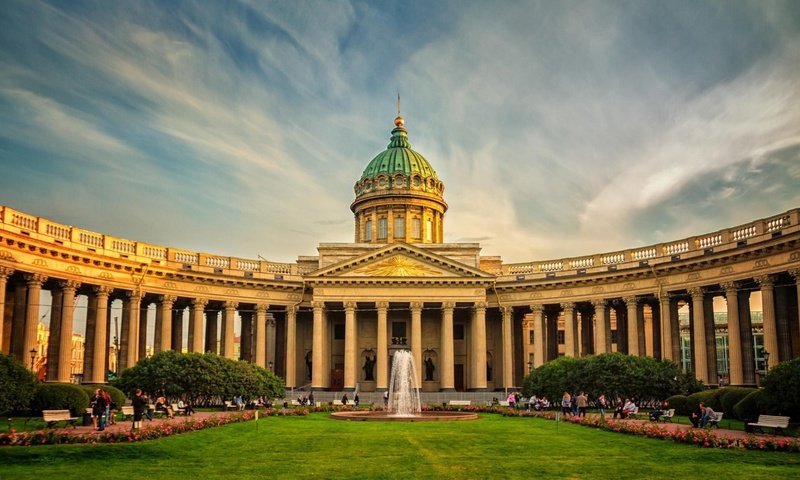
150	432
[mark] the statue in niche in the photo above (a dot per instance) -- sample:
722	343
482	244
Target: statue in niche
429	369
308	365
369	369
488	372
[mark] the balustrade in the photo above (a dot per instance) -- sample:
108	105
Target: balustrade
551	266
744	232
644	253
612	258
778	223
710	241
676	248
582	262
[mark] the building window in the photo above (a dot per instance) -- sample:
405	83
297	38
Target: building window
530	337
399	333
458	331
561	340
686	352
383	227
416	228
399	227
368	231
429	230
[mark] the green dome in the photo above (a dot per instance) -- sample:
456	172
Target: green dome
399	169
399	158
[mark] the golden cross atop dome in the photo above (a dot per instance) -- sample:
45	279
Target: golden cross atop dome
398	121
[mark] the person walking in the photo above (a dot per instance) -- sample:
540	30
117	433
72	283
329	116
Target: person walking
582	402
602	405
139	403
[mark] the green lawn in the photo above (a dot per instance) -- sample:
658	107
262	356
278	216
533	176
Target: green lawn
317	447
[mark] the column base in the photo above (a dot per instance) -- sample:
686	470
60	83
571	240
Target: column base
447	390
382	389
480	389
349	389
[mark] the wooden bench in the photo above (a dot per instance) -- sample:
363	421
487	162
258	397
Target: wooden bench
336	402
228	404
177	410
127	412
503	403
714	422
460	403
667	417
52	417
775	422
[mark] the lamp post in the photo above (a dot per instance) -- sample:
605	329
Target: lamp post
270	365
766	361
33	357
530	367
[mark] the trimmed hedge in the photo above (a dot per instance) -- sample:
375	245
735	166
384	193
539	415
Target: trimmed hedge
709	397
116	394
751	406
679	403
16	385
730	396
59	396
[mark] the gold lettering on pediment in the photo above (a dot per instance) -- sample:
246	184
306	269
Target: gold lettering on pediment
398	267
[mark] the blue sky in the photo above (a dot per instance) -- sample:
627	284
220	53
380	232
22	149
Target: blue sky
559	128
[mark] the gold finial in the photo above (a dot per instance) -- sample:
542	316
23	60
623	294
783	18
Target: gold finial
398	121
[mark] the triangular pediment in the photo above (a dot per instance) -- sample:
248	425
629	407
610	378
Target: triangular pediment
400	261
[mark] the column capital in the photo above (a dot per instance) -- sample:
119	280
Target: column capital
794	272
730	287
167	299
599	303
350	306
568	305
507	309
382	305
261	308
416	306
6	272
102	290
536	309
34	279
231	305
318	305
199	302
629	299
69	284
448	305
479	306
663	297
135	294
763	281
697	293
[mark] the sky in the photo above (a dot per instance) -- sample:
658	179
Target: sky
559	128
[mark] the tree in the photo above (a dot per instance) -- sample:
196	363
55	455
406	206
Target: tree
16	385
782	388
201	378
614	374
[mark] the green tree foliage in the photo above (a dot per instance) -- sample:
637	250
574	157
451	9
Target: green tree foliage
782	385
116	394
59	396
730	396
201	378
16	385
614	374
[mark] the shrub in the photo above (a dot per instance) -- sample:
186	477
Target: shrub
730	396
753	405
16	385
59	396
782	385
116	394
709	397
679	403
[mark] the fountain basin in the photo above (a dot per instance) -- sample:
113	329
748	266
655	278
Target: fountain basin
382	416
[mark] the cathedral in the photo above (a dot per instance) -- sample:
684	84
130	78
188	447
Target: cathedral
723	304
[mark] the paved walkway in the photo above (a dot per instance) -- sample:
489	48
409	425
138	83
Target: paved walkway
125	425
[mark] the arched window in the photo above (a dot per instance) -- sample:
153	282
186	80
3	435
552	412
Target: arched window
383	228
399	227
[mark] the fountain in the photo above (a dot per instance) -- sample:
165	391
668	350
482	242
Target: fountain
404	401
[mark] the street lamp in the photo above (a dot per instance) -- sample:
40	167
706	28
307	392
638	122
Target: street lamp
530	367
766	361
270	365
33	357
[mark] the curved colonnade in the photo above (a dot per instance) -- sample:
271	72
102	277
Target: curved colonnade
329	322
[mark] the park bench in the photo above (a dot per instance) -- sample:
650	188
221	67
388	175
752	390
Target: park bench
667	417
460	403
177	410
775	422
714	422
52	417
127	412
229	404
503	403
336	402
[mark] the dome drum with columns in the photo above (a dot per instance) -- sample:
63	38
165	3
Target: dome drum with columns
716	303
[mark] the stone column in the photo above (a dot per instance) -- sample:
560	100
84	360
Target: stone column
795	273
649	346
261	337
54	336
129	333
196	325
479	346
569	329
538	336
767	284
633	326
318	346
666	327
272	339
68	289
97	372
416	338
448	356
16	346
508	347
164	321
89	331
212	331
143	330
291	346
5	272
700	360
227	327
382	362
599	326
350	346
735	371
